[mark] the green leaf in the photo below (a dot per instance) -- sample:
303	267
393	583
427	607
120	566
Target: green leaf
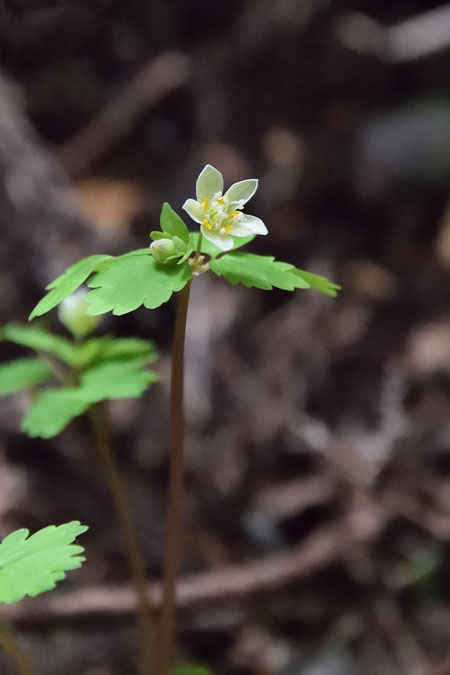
107	348
52	410
172	224
39	339
180	245
21	374
116	379
67	283
318	282
156	235
128	282
137	251
212	250
258	271
29	566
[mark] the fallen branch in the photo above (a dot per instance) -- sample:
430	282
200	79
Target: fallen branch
220	585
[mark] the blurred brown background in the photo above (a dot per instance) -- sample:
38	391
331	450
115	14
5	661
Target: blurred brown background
318	460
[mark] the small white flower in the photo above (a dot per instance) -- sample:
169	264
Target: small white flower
220	215
72	313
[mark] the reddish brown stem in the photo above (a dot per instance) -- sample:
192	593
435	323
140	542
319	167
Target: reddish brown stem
130	537
166	647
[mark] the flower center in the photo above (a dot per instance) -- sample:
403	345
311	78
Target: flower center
218	216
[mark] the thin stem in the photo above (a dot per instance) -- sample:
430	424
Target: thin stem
58	372
10	645
130	537
199	247
175	495
136	563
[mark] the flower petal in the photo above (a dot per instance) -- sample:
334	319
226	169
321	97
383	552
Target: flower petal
248	225
222	241
242	191
209	182
194	209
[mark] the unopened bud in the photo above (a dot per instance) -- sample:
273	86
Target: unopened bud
162	250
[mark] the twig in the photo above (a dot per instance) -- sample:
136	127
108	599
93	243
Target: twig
289	498
219	585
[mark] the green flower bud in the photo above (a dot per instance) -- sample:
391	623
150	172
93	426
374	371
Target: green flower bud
162	250
72	313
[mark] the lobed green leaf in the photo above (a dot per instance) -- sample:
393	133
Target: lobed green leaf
67	283
127	282
39	339
29	566
137	251
22	373
318	282
112	368
116	379
52	410
107	348
257	271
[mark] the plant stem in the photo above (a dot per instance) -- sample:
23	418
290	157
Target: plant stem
9	643
199	247
175	494
145	622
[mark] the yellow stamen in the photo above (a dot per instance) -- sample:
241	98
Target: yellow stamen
235	213
205	203
207	224
229	227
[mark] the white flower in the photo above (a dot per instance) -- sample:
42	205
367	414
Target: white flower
220	215
72	313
